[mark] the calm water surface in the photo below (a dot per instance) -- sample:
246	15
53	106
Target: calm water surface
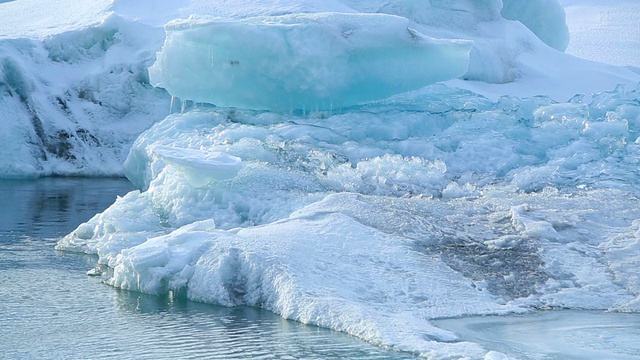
49	308
554	335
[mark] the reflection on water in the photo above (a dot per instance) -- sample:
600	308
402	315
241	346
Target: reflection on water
51	310
53	207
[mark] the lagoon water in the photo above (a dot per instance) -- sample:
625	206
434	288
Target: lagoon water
554	335
51	310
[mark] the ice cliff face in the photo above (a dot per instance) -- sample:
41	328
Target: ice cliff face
71	104
314	61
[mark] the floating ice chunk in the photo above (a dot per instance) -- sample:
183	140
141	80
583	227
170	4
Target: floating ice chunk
201	167
170	258
321	266
283	234
302	61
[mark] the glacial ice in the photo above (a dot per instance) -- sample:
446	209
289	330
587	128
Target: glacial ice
74	85
72	104
545	18
314	61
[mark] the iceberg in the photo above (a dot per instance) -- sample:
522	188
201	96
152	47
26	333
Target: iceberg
75	87
314	61
378	220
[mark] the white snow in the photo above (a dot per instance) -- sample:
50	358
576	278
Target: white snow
74	89
319	170
40	19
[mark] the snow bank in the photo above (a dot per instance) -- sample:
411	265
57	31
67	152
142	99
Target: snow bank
305	61
374	221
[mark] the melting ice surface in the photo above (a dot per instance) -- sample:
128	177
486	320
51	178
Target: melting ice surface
75	91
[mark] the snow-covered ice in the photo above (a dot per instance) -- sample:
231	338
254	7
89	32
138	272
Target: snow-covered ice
373	221
74	89
369	167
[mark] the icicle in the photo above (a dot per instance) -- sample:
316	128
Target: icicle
211	56
173	101
183	108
